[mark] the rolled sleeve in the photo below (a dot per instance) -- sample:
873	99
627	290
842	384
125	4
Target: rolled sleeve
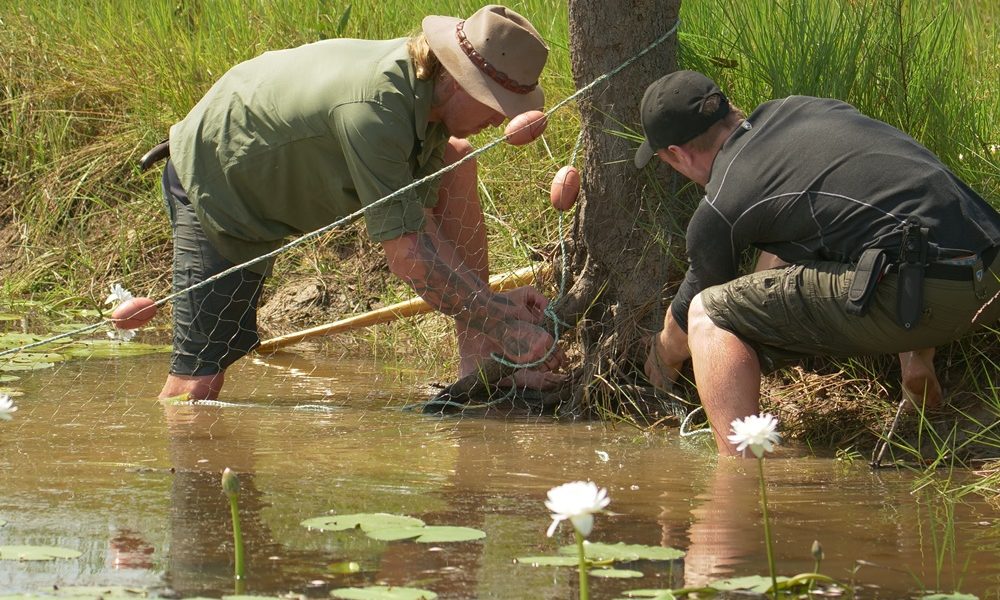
378	147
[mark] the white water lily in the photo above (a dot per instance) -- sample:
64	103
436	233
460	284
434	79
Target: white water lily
7	408
124	335
578	502
118	295
757	432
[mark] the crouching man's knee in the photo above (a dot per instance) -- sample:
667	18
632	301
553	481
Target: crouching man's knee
699	323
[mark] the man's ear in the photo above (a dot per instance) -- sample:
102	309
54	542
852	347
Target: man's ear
675	156
445	86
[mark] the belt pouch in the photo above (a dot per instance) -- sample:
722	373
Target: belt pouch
867	274
910	295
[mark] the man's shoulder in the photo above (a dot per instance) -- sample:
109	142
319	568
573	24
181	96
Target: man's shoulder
797	103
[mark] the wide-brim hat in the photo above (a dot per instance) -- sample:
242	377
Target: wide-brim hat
495	55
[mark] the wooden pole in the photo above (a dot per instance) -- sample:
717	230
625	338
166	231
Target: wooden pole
406	308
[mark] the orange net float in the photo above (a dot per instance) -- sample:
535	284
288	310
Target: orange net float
565	188
133	313
525	127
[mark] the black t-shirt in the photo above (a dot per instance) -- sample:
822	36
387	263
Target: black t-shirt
814	179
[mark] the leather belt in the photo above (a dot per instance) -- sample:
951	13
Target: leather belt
954	271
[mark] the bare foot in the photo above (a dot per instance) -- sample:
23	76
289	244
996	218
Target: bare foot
932	400
196	387
920	383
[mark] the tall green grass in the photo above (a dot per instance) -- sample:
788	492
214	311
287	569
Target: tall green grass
86	87
930	68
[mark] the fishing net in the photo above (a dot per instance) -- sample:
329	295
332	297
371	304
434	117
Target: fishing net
221	300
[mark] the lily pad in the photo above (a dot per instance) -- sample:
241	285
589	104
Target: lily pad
427	534
13	339
36	553
366	521
30	361
616	573
2	522
39	356
753	583
953	596
76	592
108	348
653	594
380	592
549	561
245	597
622	552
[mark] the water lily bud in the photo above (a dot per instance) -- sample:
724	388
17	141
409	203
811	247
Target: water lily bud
230	483
817	550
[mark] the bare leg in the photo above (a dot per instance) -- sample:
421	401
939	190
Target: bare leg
920	383
460	221
727	373
196	387
668	350
766	260
459	216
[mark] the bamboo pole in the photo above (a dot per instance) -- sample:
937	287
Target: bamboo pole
406	308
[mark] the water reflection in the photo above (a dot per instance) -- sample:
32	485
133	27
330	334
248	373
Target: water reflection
202	441
94	462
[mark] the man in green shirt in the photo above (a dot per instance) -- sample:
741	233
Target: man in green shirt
296	139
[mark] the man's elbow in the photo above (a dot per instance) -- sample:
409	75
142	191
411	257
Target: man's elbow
400	255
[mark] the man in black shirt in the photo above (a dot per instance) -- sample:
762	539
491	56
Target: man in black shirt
869	244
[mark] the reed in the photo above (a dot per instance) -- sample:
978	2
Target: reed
89	86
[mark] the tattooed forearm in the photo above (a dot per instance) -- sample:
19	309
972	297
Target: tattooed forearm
454	291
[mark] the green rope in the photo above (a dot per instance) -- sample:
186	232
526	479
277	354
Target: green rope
550	311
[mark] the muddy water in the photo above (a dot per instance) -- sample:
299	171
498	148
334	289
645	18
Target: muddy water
92	462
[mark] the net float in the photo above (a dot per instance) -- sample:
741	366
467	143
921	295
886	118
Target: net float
565	188
133	313
525	127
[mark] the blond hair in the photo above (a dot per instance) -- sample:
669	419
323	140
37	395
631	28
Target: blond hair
425	64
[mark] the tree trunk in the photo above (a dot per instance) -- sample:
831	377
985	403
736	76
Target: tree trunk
623	253
623	256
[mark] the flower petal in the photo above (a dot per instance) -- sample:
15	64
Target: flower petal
552	527
583	523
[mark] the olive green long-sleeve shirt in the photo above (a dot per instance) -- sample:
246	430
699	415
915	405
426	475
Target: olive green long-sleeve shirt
293	140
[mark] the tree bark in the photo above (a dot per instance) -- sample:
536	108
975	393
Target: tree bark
623	254
623	258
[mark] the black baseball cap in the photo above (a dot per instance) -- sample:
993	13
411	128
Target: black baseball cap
674	111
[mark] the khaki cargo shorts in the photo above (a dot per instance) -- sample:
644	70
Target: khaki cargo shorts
798	311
